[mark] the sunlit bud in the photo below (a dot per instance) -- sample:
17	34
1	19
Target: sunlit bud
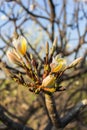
53	46
55	42
31	56
75	62
58	64
20	44
32	7
13	57
49	81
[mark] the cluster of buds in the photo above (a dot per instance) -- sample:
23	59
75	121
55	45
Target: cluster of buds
54	67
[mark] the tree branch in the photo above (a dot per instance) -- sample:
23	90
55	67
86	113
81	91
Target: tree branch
69	117
10	123
72	114
51	107
52	17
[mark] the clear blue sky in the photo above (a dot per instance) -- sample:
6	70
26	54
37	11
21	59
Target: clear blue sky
28	26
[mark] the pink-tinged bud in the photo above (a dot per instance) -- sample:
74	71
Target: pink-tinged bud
75	62
20	45
49	81
13	57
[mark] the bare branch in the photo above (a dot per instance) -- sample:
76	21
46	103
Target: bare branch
10	123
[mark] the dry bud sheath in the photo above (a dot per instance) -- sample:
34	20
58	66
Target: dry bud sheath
47	48
47	52
51	107
53	47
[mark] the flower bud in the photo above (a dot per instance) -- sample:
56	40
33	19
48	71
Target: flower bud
75	62
49	81
13	57
20	45
53	46
32	7
58	64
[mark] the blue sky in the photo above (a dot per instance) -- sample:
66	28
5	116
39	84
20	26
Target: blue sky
33	28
